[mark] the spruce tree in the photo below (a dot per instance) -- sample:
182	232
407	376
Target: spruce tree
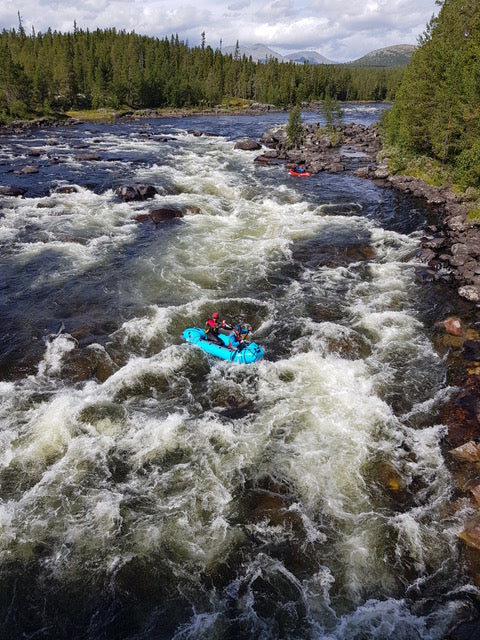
295	127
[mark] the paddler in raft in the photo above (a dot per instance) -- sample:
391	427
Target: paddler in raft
212	326
236	341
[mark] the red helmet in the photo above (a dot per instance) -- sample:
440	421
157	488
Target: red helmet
215	315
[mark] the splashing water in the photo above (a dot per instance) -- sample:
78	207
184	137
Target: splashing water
177	496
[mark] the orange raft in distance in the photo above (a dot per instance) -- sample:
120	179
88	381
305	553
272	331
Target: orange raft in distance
299	174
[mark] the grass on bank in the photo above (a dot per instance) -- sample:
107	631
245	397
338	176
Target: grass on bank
94	115
109	114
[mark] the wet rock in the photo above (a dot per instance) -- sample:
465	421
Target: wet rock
146	191
470	292
274	137
424	255
84	335
165	213
475	491
66	189
468	452
78	366
92	362
461	414
9	190
27	170
335	167
88	157
452	325
471	532
264	159
248	145
192	208
102	411
129	193
390	478
471	350
434	243
425	275
161	214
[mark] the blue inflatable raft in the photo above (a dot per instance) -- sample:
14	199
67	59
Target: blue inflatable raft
252	353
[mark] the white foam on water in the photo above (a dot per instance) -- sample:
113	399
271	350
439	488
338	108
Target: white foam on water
55	351
80	228
148	464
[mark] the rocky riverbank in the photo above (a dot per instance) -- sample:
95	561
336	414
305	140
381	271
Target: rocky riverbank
451	248
108	115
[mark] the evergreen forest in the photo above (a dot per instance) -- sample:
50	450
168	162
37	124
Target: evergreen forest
50	72
436	113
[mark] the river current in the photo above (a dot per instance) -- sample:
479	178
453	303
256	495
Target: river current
183	497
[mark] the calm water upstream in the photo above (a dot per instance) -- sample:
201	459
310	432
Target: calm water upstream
303	497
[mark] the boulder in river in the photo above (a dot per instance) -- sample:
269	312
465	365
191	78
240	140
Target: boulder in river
128	193
468	452
452	325
265	158
88	363
66	189
87	157
248	145
28	169
160	214
9	190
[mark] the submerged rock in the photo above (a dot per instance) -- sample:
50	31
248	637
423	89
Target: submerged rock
92	362
462	413
167	212
160	215
28	169
452	325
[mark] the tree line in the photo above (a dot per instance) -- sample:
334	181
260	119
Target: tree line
436	112
45	72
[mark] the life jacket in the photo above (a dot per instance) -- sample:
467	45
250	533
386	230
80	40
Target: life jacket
234	340
212	326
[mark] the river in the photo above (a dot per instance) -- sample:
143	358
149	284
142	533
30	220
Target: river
179	496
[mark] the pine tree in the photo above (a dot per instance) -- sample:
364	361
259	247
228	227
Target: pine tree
295	127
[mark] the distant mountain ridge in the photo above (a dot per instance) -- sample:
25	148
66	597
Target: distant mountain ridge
313	57
394	56
261	53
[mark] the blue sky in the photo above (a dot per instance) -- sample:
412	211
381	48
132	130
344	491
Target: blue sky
341	30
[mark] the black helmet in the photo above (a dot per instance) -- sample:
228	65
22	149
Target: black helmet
237	328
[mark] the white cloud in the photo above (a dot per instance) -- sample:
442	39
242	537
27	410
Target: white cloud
337	29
